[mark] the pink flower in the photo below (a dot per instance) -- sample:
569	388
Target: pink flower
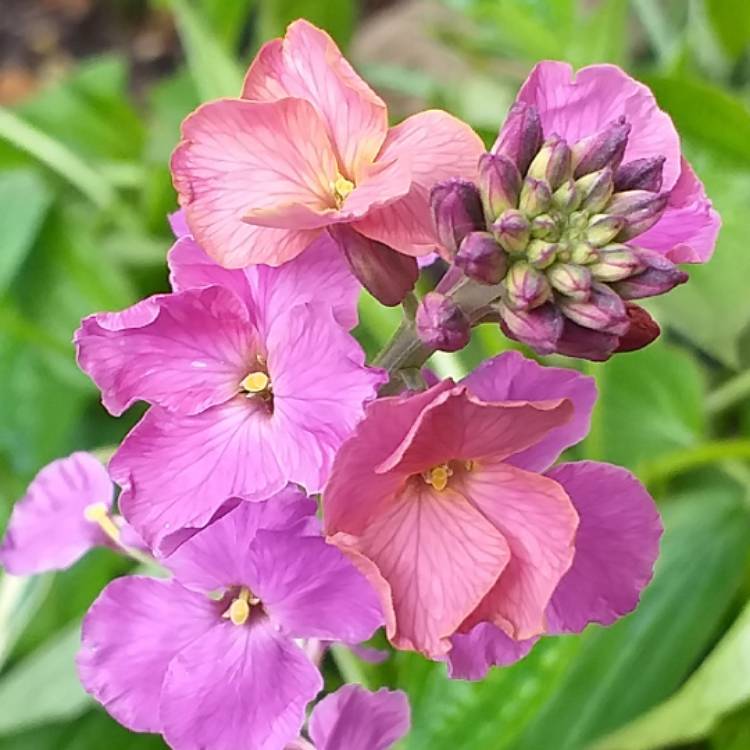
207	658
64	514
252	384
308	147
465	531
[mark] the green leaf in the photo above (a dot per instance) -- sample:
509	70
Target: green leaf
719	685
599	36
628	668
731	21
24	200
228	20
214	71
335	16
44	687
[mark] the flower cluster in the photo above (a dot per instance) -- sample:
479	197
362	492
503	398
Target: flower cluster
445	516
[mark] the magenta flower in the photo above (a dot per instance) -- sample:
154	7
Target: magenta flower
462	527
252	385
308	147
64	514
207	658
353	718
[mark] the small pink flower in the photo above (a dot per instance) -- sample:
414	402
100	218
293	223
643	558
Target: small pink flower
308	147
464	530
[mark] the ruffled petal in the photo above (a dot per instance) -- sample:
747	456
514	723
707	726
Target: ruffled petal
353	718
237	156
438	557
484	646
192	355
176	471
130	635
616	546
538	521
307	64
47	529
436	146
689	227
237	687
513	377
576	105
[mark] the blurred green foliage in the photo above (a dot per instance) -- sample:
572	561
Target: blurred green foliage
84	189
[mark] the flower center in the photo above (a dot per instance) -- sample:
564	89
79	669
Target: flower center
98	513
256	383
239	610
341	188
439	476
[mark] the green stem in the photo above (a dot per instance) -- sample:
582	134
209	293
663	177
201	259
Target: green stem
348	665
735	389
692	458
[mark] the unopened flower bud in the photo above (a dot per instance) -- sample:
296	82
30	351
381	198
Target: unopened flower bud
526	287
545	227
585	343
541	253
512	230
499	184
616	262
660	276
567	197
571	280
641	209
603	228
536	197
583	253
605	149
456	211
481	258
552	163
596	189
642	331
521	135
441	324
641	174
603	311
540	328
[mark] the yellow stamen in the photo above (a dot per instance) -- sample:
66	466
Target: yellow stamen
98	513
438	476
469	465
256	382
341	189
239	609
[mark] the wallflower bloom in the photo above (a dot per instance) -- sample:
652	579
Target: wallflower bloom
446	501
308	147
353	718
252	385
64	514
207	658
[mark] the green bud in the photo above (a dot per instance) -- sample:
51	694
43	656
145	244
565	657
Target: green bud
603	228
541	253
526	287
552	163
583	253
567	197
616	262
571	280
512	230
596	190
545	227
536	197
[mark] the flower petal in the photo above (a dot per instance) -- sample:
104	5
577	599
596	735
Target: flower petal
192	355
484	646
436	146
616	546
353	718
513	377
438	557
237	687
576	105
538	521
176	471
47	529
687	231
130	635
307	64
236	156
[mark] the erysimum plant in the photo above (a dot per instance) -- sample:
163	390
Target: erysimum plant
295	495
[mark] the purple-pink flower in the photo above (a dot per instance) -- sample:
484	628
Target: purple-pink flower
252	380
208	657
445	499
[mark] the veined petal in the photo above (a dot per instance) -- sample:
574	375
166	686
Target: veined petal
237	156
47	529
436	146
192	355
130	635
353	718
307	64
484	646
237	687
616	546
513	377
537	519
